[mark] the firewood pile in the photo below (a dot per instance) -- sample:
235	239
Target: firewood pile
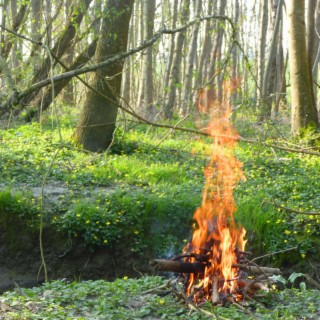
250	279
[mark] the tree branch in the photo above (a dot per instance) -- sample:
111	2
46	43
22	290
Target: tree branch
9	102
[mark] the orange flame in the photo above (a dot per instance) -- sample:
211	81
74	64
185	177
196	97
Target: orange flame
216	234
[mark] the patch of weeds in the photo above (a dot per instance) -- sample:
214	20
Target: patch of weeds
128	298
290	180
17	210
142	218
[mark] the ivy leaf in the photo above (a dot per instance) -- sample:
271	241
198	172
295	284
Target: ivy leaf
294	276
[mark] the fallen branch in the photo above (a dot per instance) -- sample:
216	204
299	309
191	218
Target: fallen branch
257	269
177	266
197	267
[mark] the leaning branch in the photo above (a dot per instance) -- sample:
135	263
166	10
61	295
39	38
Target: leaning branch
308	213
10	101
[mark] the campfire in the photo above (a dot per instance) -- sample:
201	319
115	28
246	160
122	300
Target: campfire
214	263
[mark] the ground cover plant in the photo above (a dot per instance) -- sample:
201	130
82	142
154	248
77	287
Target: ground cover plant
134	299
141	194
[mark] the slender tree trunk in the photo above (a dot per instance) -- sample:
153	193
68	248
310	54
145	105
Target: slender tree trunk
303	111
207	45
171	50
312	39
317	55
191	59
14	59
146	98
214	92
269	80
97	119
175	76
48	15
235	61
282	64
262	48
128	69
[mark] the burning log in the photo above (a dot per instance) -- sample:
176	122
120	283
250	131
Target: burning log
197	267
258	269
177	266
215	299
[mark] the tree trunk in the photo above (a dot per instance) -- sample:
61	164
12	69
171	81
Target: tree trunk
177	61
207	45
14	59
215	64
303	112
317	50
191	59
235	61
98	116
36	25
171	47
269	80
146	98
262	48
312	40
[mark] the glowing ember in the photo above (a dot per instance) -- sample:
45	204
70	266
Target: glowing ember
216	236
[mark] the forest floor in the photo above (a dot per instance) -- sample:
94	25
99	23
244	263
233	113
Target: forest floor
106	215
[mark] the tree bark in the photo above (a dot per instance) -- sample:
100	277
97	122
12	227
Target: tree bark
262	48
36	18
175	75
97	119
146	97
215	63
207	45
303	111
190	65
269	80
171	47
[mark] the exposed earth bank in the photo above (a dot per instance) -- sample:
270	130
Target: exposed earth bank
21	260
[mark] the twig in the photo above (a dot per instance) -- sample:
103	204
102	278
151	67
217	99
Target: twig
274	253
292	210
312	281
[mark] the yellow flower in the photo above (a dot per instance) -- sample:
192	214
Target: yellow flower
125	278
287	232
105	241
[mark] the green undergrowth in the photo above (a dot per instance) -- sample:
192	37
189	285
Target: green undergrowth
145	188
277	184
132	299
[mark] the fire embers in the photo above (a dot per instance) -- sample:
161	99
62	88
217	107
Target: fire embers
219	282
